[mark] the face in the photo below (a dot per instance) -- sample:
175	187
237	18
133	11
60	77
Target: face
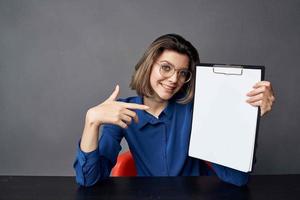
166	88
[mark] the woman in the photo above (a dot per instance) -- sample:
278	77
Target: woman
159	136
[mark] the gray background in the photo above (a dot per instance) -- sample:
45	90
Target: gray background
58	58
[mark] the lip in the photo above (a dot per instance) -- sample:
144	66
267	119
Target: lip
168	87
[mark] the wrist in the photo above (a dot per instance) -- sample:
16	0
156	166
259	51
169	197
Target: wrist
90	121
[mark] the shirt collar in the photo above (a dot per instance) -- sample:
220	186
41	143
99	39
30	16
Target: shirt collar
145	117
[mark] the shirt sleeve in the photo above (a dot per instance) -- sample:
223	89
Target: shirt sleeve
230	175
96	165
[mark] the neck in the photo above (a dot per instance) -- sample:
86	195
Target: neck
156	106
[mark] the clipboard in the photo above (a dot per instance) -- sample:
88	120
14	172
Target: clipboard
224	126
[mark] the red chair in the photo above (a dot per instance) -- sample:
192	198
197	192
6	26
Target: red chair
209	165
125	165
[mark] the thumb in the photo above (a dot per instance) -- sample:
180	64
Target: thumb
115	94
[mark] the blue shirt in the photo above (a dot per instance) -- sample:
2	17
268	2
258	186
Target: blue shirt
159	147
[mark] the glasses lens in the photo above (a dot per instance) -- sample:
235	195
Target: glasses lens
185	76
166	70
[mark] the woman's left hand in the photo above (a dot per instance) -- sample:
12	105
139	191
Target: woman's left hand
262	95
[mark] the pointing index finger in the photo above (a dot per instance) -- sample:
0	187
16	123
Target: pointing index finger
134	106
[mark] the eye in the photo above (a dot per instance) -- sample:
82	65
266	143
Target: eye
183	73
166	67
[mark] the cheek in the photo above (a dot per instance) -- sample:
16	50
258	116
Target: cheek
152	80
155	77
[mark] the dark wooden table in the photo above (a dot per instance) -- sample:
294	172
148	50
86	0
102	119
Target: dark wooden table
268	187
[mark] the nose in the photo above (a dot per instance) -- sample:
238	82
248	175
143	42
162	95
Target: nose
174	78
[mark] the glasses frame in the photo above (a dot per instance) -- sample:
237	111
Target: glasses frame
174	70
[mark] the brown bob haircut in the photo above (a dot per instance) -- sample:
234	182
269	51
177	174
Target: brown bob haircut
141	77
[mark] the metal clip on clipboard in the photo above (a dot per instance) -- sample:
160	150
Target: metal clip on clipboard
228	69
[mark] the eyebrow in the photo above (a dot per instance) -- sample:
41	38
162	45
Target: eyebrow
173	65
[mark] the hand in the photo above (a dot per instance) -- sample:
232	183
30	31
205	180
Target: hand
262	95
114	112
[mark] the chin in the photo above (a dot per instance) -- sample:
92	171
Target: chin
165	96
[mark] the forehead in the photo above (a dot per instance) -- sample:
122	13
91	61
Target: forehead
178	60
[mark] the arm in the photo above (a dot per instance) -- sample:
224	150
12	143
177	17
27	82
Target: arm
96	165
229	175
96	158
262	95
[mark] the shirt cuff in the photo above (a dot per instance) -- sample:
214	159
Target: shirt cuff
89	158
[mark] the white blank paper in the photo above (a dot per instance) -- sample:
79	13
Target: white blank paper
224	124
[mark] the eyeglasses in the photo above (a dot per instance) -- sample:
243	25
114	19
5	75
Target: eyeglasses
167	70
